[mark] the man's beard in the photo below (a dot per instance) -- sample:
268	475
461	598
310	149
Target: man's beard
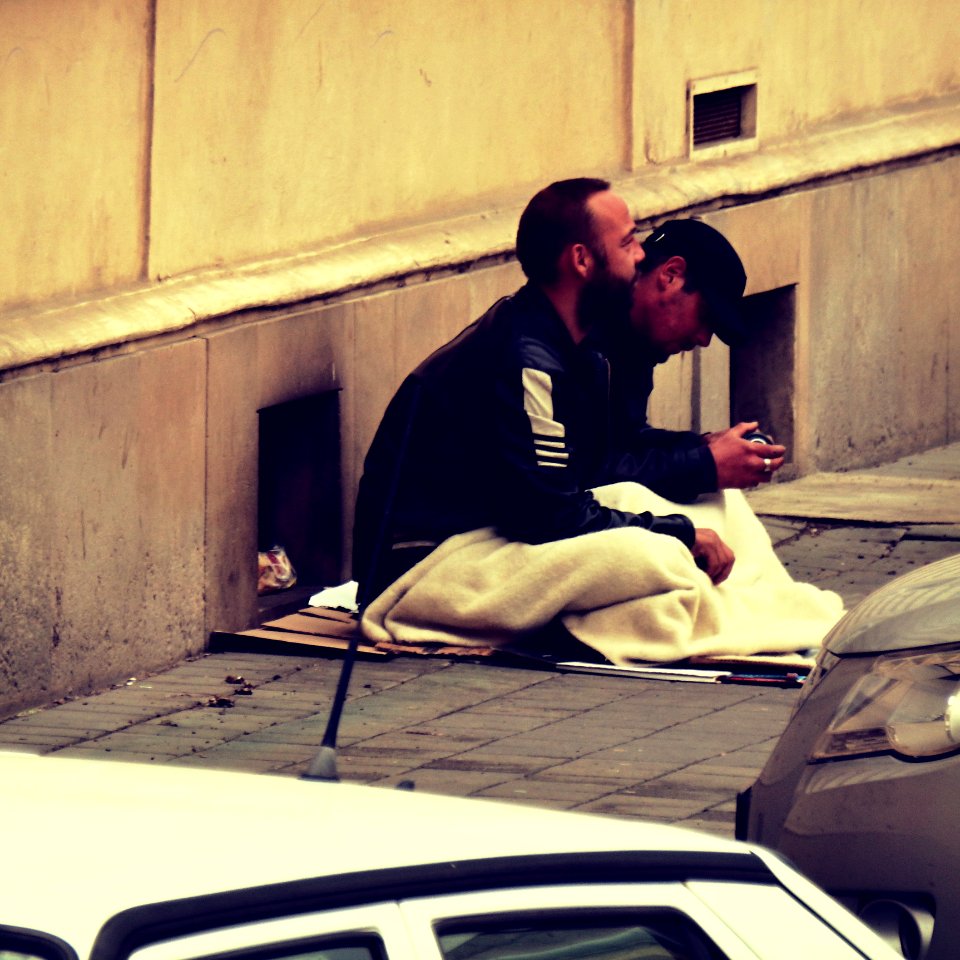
605	300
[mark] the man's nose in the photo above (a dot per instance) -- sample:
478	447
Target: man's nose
704	337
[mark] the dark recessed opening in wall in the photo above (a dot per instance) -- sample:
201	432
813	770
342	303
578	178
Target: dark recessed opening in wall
762	372
298	501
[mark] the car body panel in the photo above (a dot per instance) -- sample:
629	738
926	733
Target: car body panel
916	610
878	826
112	858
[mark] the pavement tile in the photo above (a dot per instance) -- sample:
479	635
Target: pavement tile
782	529
534	711
244	748
557	793
709	776
398	745
303	731
718	823
547	745
935	531
208	721
563	692
454	783
137	741
351	765
90	751
626	770
473	761
661	809
107	709
40	741
479	725
217	761
71	724
919	552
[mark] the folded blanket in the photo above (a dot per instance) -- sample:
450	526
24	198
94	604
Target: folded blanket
628	593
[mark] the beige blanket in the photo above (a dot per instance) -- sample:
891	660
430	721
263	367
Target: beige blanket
628	593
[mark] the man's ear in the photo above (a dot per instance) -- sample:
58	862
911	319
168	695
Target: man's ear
672	271
582	259
577	259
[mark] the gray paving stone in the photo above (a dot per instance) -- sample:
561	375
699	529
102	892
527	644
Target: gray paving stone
92	751
217	761
508	764
479	724
626	770
396	744
935	531
557	793
660	809
782	529
458	783
568	793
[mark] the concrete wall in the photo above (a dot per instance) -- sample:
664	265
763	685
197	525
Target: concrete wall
146	138
214	208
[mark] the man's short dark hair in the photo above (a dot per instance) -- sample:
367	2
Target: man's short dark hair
555	218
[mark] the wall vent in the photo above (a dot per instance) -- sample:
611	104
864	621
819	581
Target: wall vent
718	116
722	115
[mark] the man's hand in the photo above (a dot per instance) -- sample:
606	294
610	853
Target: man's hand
740	463
712	555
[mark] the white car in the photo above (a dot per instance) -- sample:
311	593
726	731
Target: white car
860	791
108	860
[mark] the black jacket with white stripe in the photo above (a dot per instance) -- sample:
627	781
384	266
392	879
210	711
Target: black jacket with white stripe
507	425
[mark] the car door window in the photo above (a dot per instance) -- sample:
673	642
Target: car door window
650	936
20	944
654	921
355	948
357	933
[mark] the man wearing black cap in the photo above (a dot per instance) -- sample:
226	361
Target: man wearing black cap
690	287
505	426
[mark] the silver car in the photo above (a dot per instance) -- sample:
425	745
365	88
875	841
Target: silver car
860	792
113	861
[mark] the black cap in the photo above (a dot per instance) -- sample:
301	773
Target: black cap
713	268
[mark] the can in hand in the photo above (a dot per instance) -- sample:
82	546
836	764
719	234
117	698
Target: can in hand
758	436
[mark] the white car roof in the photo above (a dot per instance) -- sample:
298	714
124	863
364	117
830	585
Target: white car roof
85	839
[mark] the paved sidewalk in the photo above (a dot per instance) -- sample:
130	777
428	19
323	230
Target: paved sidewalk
676	752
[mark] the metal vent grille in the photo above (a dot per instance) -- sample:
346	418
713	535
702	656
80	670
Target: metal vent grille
718	115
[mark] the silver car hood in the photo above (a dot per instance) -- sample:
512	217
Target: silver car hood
919	609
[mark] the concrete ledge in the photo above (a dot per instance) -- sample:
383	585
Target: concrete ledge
46	335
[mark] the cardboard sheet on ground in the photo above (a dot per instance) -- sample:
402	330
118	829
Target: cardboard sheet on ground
629	594
307	630
866	497
316	629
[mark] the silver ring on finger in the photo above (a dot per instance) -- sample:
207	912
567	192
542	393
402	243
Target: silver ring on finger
766	466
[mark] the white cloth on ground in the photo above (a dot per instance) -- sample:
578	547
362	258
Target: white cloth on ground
628	593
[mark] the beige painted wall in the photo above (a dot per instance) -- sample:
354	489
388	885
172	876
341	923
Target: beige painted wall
74	82
816	60
148	138
352	116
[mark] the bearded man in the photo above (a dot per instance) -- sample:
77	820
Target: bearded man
507	425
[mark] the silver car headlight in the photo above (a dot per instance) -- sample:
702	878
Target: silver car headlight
906	704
